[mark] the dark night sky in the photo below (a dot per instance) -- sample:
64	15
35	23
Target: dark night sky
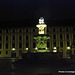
31	9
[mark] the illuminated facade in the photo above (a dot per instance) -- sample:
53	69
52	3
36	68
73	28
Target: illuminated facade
42	37
14	42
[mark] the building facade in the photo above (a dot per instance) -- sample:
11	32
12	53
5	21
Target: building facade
15	41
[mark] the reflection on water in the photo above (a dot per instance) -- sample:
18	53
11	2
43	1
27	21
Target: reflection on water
13	67
20	68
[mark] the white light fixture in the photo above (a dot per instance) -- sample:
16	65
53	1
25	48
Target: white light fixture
26	48
46	47
36	48
68	47
54	51
13	49
41	20
54	48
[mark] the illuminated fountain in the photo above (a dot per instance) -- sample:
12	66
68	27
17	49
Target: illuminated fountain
42	36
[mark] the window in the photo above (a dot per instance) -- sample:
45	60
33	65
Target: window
33	30
73	36
68	44
6	45
20	37
33	45
47	29
6	52
0	45
54	43
20	45
26	30
20	51
0	38
6	31
48	44
0	52
67	36
67	29
73	29
54	36
20	31
13	31
27	45
60	29
13	38
53	29
61	44
13	45
60	36
0	31
26	37
6	38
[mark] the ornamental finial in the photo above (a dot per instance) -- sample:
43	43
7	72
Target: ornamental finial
41	20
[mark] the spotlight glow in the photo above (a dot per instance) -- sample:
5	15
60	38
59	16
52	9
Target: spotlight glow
26	48
13	49
54	51
54	48
68	47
